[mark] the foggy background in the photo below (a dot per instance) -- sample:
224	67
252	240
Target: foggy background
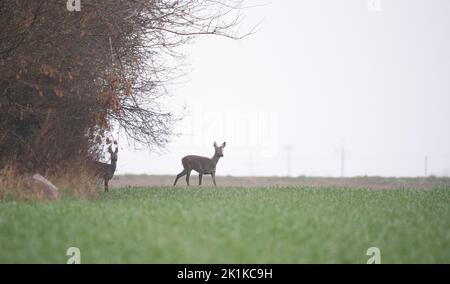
324	88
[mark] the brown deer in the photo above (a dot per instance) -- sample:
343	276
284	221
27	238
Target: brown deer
202	165
106	171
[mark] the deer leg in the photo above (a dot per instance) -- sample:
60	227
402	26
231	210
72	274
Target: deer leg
178	176
188	174
200	175
106	185
213	175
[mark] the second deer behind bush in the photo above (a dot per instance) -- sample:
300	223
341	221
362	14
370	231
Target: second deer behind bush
202	165
106	171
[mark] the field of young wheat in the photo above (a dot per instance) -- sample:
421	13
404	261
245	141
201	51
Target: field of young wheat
231	225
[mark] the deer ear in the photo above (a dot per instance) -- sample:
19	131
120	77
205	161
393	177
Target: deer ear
110	149
223	144
215	144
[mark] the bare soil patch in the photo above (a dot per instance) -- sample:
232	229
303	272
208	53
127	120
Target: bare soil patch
351	182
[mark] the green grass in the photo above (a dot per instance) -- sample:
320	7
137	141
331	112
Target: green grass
232	225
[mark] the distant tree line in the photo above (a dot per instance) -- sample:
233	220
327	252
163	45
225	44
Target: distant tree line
66	78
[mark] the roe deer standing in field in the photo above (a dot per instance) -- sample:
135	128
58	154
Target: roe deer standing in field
106	171
202	165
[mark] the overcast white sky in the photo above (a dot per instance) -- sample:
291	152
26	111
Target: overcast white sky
318	74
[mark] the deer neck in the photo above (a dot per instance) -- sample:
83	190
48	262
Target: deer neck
113	165
215	159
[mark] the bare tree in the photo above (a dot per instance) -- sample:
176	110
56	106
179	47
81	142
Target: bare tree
67	77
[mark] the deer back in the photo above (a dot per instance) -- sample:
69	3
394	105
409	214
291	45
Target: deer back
198	163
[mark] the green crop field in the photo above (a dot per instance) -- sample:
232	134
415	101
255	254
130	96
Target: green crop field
231	225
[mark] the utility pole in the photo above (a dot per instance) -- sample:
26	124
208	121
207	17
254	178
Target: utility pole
342	158
426	166
251	164
288	159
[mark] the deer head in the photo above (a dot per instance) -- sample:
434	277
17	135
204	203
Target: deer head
113	154
219	149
